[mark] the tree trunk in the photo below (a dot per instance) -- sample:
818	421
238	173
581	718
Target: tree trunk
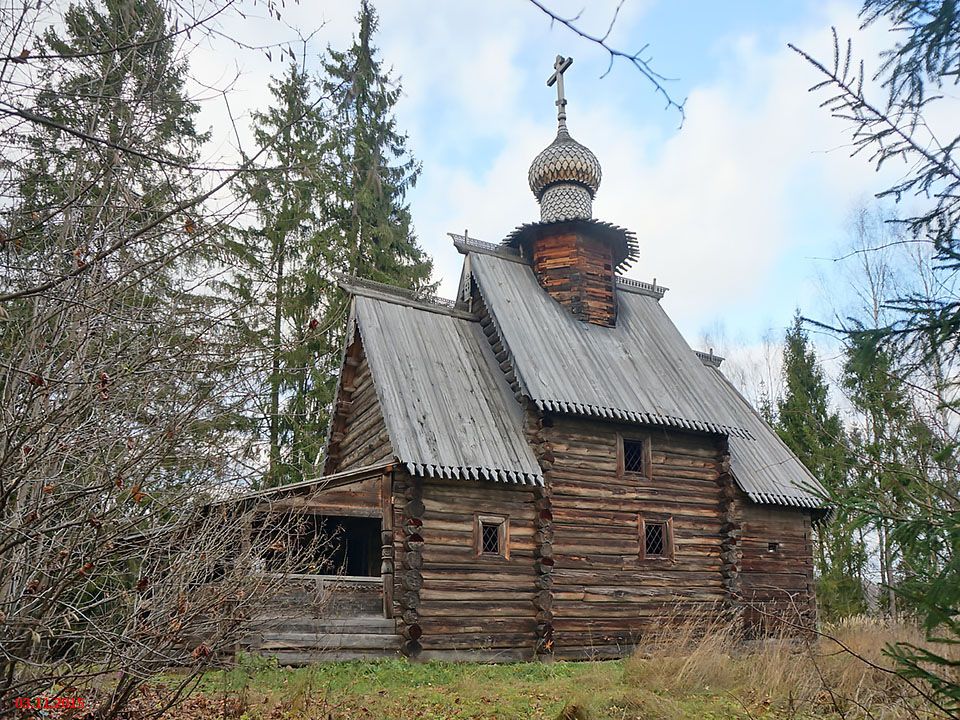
273	478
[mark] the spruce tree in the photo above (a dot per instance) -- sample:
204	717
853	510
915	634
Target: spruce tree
111	155
368	229
897	455
335	202
890	119
283	277
372	227
132	143
815	433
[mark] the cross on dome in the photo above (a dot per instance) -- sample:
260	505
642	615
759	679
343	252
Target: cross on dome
565	176
559	67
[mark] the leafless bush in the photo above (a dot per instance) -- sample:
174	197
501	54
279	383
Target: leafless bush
176	596
122	392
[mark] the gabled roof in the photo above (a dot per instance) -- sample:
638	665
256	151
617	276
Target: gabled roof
450	412
640	371
446	404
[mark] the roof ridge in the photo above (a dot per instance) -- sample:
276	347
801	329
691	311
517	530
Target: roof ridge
640	287
466	244
709	358
401	296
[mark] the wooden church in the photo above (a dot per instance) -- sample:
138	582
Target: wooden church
542	467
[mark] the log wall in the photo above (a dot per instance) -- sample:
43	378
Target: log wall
776	577
577	271
605	595
358	434
466	606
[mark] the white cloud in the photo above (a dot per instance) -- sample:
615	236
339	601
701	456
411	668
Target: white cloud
722	208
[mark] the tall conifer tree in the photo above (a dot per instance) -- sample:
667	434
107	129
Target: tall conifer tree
372	228
283	277
335	203
369	230
815	433
113	153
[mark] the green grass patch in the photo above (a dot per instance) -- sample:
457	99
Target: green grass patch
681	674
258	689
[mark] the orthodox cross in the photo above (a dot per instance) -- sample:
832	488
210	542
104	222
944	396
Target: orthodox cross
559	67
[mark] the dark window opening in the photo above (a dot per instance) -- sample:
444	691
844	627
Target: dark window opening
490	538
355	546
632	456
773	547
319	545
654	539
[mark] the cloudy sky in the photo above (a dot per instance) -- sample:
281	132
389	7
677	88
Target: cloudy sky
736	212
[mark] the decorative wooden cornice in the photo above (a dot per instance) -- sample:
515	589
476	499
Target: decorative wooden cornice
400	296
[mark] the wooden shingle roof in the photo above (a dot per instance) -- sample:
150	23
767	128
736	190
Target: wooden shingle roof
446	404
640	371
450	411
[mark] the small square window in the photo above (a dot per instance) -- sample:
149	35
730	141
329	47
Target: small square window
632	456
655	539
773	547
491	536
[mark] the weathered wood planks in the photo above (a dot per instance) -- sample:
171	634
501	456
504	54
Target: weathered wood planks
577	271
358	433
776	578
605	594
470	605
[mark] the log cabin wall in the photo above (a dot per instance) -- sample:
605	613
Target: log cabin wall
605	593
577	271
777	567
358	435
357	499
467	605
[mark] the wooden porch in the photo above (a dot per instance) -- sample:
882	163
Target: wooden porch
322	618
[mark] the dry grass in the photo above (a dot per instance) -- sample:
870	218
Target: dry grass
842	672
684	672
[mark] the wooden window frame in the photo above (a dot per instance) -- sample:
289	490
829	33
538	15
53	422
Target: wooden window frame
479	519
669	554
644	440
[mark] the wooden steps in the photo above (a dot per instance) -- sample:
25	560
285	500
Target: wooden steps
301	640
322	619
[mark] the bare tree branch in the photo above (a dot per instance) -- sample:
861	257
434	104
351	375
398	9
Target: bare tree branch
637	59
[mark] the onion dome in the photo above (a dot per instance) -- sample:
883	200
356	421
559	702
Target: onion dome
565	176
564	161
